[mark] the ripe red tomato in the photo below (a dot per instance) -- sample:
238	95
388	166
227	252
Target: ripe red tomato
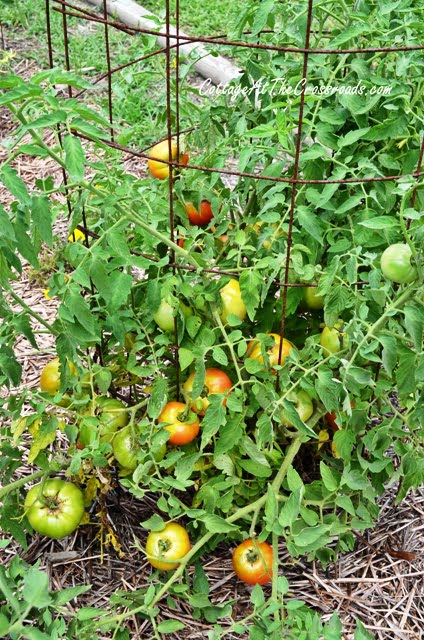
396	264
50	376
216	381
182	423
201	217
333	340
161	150
254	350
252	561
164	547
232	301
54	507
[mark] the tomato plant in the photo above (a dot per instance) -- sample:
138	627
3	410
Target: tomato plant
54	507
252	561
182	424
216	381
117	298
396	263
165	547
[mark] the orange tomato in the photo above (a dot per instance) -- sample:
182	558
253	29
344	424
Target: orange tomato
159	169
254	350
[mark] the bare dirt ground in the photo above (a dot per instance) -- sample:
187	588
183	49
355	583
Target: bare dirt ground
380	582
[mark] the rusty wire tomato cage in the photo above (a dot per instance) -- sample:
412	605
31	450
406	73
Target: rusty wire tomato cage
174	42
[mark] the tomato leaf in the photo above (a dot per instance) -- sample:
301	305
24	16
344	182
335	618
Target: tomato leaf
42	218
290	509
329	477
74	157
15	185
328	388
158	397
405	374
215	418
250	285
216	524
185	358
170	626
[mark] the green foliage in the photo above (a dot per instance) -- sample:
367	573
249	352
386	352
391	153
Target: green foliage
28	609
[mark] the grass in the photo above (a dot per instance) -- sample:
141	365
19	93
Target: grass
139	90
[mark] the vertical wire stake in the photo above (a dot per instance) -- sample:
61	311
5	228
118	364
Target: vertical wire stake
171	177
109	70
49	34
295	176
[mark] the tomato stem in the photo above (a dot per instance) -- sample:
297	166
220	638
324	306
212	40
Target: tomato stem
22	481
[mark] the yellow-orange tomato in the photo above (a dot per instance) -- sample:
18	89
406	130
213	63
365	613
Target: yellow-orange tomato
254	350
232	301
159	169
164	547
50	376
252	562
216	381
182	424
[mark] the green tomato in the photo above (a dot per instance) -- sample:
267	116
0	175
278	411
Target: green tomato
112	416
164	316
396	264
303	405
54	507
333	340
125	446
125	449
312	300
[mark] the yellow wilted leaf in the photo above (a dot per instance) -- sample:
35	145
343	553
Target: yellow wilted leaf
90	491
42	440
110	538
85	518
323	437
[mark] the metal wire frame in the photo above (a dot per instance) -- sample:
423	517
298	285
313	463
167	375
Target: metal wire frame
174	42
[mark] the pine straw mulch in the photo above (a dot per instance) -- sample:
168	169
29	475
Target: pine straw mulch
380	582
